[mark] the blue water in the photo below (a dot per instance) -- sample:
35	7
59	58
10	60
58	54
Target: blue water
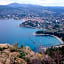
10	32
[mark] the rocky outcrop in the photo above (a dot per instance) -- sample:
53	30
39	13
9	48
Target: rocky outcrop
4	45
8	57
14	55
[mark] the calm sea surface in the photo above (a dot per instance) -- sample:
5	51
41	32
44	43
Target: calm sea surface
10	32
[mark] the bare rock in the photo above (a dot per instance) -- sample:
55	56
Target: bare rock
4	45
20	61
8	61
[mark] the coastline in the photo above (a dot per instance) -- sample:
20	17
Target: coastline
58	39
62	42
28	26
40	34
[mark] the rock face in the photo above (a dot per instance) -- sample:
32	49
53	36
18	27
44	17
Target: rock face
8	57
4	45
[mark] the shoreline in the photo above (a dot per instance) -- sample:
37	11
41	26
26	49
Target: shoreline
58	39
62	42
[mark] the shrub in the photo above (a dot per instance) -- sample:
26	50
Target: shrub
22	46
13	49
27	60
1	49
15	45
22	55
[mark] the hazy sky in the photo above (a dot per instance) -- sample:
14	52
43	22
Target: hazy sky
37	2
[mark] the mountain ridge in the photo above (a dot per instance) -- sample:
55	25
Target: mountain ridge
29	9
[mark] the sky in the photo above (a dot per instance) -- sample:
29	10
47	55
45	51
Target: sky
35	2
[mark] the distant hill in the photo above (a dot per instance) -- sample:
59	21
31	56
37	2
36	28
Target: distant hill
17	5
28	9
14	4
20	5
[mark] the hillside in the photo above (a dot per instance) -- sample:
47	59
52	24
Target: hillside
11	54
22	10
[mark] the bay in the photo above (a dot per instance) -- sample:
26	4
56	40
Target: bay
10	32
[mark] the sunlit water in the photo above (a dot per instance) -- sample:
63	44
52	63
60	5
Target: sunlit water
10	32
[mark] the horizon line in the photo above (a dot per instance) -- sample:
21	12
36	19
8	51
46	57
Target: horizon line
32	4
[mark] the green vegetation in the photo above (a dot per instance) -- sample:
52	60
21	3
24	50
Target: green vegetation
50	52
22	46
14	47
22	55
57	54
1	49
25	55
